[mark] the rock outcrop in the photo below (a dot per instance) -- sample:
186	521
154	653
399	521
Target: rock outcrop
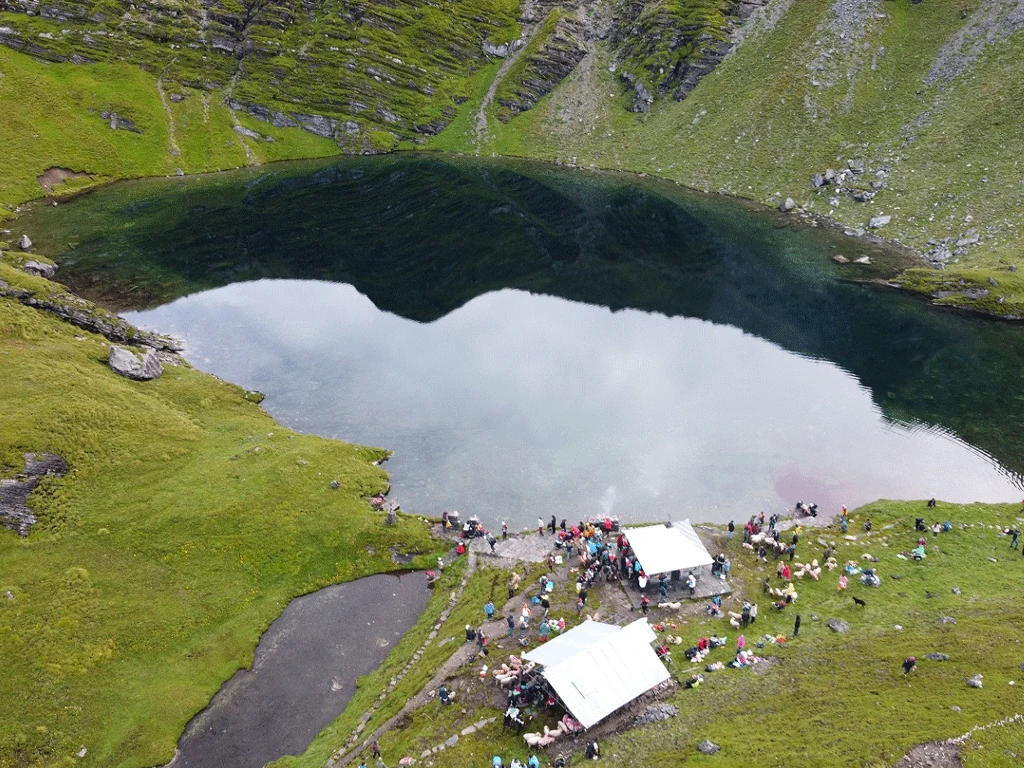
15	514
126	363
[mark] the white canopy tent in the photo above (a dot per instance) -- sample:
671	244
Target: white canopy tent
668	547
570	643
600	670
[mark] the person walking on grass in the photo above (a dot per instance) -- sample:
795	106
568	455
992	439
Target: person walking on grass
1015	540
796	626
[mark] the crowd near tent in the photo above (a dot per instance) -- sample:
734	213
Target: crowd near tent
668	547
597	668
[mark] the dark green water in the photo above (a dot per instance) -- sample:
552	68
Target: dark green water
531	340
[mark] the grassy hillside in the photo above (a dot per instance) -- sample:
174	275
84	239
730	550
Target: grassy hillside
188	520
827	85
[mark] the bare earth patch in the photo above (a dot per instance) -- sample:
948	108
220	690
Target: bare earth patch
51	177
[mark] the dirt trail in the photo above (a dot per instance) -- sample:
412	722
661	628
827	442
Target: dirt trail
480	131
175	152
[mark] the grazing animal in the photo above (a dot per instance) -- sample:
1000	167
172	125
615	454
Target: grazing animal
859	602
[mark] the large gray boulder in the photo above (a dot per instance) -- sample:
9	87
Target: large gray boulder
24	243
837	625
128	364
708	747
40	269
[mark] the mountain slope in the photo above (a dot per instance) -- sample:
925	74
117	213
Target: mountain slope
898	117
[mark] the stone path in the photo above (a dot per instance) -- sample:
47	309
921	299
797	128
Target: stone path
528	548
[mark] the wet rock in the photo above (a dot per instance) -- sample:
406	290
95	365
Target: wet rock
879	221
708	747
126	363
937	657
39	269
788	205
975	681
838	625
24	243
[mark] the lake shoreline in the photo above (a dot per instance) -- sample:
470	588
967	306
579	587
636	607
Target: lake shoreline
902	282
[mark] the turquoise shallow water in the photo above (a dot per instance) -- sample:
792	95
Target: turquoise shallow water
533	341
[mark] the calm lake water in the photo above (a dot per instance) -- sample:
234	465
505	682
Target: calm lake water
533	341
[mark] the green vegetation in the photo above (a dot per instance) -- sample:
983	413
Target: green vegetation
511	85
657	40
188	520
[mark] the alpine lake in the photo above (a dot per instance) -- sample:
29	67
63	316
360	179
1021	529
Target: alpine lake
531	340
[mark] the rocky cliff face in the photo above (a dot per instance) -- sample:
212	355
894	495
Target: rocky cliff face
364	73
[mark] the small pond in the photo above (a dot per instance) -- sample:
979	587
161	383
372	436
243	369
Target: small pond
304	672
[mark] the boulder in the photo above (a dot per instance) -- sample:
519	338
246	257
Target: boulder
975	681
335	484
128	364
708	747
39	269
24	243
937	657
879	221
500	51
838	625
840	259
991	281
830	175
947	620
818	181
787	206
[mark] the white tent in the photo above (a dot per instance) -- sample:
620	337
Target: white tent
609	669
570	643
668	547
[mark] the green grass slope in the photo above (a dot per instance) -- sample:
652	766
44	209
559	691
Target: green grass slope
188	520
53	121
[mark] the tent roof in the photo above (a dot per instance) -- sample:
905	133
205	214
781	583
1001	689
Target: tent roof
570	643
608	673
661	549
